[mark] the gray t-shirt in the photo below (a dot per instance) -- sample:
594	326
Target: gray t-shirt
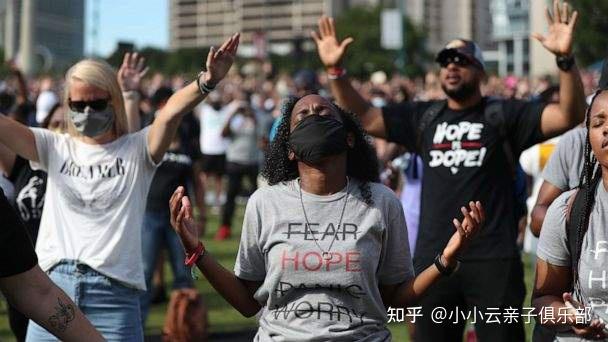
553	248
243	146
566	163
304	296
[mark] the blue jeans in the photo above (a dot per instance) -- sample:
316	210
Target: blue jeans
156	234
112	307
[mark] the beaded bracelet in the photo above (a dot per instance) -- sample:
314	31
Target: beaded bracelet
203	87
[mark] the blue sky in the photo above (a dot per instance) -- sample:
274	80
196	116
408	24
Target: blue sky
143	22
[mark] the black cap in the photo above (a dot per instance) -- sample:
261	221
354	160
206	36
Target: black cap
463	47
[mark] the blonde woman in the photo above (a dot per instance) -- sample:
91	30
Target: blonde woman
98	179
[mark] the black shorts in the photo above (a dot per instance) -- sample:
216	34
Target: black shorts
214	163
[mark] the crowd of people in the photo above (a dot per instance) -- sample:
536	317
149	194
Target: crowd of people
360	194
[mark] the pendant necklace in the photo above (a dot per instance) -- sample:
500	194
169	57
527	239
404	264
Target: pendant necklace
326	254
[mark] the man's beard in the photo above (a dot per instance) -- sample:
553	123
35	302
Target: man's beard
463	92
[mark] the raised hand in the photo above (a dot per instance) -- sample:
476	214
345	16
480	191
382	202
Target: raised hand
182	220
561	29
474	217
220	60
132	70
330	50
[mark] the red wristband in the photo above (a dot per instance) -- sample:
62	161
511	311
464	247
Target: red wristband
192	258
335	72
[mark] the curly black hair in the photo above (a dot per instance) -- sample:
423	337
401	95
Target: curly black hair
362	162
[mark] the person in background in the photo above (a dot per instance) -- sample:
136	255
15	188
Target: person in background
241	160
212	115
47	99
176	170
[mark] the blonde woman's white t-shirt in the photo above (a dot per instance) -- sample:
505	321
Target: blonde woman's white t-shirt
95	201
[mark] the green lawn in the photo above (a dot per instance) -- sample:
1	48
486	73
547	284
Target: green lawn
223	318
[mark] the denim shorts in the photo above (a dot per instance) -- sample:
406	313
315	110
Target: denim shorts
112	307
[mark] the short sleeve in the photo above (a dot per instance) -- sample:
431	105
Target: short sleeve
141	141
16	248
523	123
250	264
46	142
556	170
401	122
395	261
553	242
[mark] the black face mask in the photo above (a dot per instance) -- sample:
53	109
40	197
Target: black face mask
317	137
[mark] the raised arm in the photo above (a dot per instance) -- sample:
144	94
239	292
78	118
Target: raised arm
238	292
555	118
131	72
166	123
35	295
18	138
331	53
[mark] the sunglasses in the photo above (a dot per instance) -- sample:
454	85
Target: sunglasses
95	105
459	60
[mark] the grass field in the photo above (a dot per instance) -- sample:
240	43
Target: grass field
223	318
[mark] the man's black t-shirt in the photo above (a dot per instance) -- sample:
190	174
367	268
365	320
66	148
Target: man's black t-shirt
30	187
16	249
464	160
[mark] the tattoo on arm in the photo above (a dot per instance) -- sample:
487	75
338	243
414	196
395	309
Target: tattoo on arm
64	314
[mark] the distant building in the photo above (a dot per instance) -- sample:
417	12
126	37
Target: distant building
513	22
264	24
58	30
511	31
447	20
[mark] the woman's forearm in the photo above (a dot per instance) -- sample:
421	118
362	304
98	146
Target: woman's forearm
166	124
228	286
408	293
132	99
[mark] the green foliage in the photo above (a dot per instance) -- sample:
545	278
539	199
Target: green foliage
590	38
365	55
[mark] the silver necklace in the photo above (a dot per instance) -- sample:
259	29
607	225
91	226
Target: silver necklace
326	254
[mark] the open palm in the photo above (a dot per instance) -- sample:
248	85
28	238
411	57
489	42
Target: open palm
182	221
561	29
220	60
465	230
131	72
330	50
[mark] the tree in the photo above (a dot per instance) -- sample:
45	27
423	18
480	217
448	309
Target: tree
591	40
365	55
